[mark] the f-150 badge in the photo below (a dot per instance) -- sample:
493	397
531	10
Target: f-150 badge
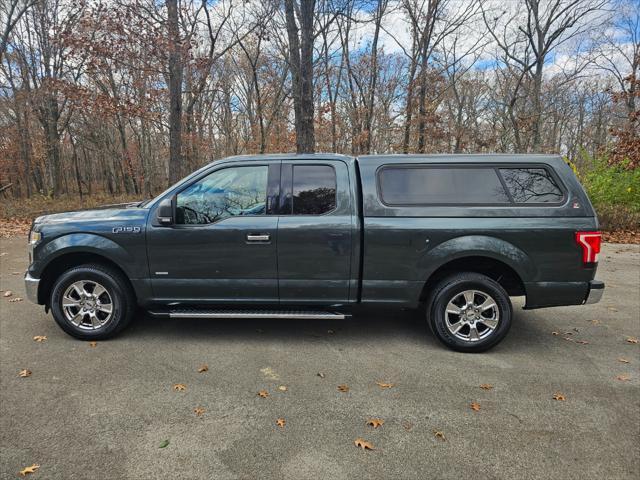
126	229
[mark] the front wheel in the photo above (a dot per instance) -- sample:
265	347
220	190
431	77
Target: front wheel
469	312
92	302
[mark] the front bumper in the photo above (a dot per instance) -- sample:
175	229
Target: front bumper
596	290
31	285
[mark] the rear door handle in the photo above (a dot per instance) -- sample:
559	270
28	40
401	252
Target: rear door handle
258	237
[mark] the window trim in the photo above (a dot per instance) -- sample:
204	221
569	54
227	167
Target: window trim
489	166
284	189
174	200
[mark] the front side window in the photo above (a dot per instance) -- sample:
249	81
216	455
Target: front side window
314	189
405	185
531	185
222	194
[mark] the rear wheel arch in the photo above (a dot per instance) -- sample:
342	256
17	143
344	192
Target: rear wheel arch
498	270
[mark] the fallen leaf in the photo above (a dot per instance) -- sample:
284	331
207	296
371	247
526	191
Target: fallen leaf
14	300
8	293
263	393
595	322
24	373
363	444
558	396
198	411
28	470
280	422
16	273
40	338
623	377
613	309
486	386
203	368
330	332
179	387
623	360
555	333
629	339
568	333
93	344
320	374
475	406
582	342
343	388
283	388
385	385
569	339
440	435
407	426
163	444
375	422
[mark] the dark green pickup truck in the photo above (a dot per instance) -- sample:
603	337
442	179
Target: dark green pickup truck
317	236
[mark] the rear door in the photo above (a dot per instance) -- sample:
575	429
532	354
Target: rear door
315	229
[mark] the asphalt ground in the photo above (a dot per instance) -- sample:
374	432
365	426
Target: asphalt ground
103	411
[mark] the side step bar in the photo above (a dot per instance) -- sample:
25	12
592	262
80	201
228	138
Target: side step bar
224	313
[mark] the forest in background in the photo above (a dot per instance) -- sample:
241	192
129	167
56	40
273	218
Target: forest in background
115	99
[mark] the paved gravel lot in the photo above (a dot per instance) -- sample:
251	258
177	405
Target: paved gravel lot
102	412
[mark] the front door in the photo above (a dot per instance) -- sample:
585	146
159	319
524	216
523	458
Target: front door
222	245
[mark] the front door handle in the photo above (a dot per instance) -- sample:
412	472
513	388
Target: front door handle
258	237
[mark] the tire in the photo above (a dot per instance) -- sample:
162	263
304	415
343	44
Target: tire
464	325
107	312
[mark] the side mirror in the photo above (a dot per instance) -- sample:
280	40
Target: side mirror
164	214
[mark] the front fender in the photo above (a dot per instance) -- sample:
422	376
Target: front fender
86	243
477	245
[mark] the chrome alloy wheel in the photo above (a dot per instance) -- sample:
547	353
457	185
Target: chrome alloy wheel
87	305
472	315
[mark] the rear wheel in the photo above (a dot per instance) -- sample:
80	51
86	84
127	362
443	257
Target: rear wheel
92	302
469	312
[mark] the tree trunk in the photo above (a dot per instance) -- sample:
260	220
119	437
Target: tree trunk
176	71
301	63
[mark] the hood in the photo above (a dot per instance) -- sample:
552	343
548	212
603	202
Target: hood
104	213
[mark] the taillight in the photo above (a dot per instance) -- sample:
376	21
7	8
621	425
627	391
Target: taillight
590	243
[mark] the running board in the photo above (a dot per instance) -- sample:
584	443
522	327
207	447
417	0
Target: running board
247	313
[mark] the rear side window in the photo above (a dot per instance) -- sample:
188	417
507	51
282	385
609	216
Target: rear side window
531	185
314	189
441	185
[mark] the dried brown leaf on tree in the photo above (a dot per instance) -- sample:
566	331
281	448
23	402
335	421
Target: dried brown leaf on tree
179	387
375	422
263	394
559	396
343	388
40	338
281	422
486	386
24	373
440	435
363	444
385	385
203	368
475	406
29	470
